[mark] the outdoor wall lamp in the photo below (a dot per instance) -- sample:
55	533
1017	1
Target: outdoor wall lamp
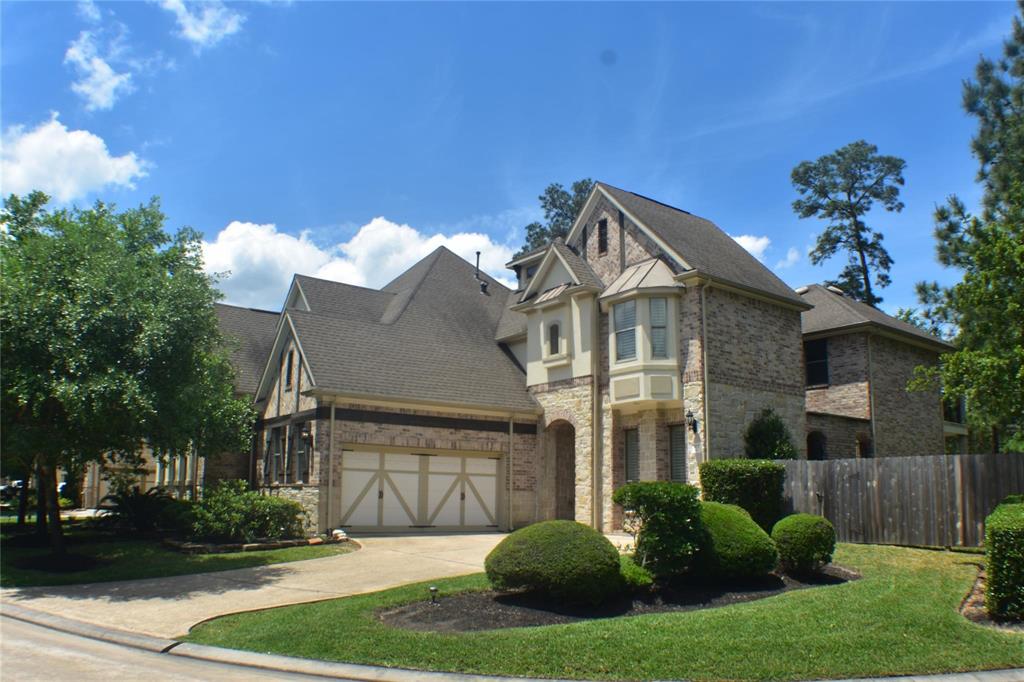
691	421
306	435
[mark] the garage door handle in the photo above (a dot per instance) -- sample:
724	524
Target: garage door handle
462	496
380	494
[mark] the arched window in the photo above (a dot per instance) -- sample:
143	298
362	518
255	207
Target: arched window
554	339
816	445
865	448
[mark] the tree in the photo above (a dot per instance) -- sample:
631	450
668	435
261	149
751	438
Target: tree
842	187
561	207
987	306
110	341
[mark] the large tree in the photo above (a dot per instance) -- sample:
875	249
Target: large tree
561	206
986	307
110	342
842	188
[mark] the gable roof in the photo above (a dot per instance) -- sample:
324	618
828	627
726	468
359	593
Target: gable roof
696	243
579	270
835	312
433	339
250	332
337	299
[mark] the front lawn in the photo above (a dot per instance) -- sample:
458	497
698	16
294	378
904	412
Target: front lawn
901	618
121	557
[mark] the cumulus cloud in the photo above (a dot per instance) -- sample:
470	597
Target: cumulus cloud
88	10
204	24
262	260
791	259
66	164
756	246
98	83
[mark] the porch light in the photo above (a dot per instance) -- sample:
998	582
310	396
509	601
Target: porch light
691	421
306	435
433	594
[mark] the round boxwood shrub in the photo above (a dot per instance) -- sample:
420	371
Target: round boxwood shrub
805	542
563	559
734	546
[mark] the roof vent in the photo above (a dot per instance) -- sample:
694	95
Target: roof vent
835	290
483	287
801	290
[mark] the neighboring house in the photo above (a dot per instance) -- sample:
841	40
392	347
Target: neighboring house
249	333
858	362
640	346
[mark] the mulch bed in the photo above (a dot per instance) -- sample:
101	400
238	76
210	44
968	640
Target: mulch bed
490	610
259	546
973	607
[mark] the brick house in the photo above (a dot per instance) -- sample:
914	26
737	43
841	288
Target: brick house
858	361
639	346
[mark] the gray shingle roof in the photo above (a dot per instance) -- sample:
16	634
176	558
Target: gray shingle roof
343	300
251	334
703	245
579	268
439	347
834	312
512	322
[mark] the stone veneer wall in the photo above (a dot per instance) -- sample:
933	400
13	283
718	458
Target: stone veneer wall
847	390
906	422
840	433
306	495
754	361
571	401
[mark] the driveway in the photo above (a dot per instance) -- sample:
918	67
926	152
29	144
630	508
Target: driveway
169	607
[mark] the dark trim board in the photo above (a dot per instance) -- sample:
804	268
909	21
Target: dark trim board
400	419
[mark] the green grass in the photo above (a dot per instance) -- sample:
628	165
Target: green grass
125	558
901	618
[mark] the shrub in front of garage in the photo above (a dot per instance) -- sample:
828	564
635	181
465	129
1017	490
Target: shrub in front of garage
564	560
230	512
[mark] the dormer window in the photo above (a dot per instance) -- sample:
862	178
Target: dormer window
554	339
659	328
625	330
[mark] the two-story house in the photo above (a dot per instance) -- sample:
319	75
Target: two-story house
642	344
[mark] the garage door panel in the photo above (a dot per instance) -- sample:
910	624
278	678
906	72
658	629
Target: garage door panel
401	498
397	462
359	499
357	459
479	502
481	466
443	503
451	465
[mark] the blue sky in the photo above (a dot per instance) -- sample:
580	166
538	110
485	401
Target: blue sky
348	140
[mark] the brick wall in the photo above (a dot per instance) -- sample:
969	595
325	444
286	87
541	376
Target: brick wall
847	390
841	433
624	247
906	422
754	361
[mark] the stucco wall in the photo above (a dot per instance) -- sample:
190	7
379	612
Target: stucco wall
847	390
906	422
754	361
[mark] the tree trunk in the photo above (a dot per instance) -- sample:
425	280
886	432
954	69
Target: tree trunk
40	503
23	501
48	488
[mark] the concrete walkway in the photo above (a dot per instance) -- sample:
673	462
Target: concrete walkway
169	607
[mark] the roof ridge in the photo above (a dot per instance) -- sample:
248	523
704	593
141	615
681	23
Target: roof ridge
653	200
345	284
245	307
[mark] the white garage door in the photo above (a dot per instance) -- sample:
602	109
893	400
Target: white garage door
394	491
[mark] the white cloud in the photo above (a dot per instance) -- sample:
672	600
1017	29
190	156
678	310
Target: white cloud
753	244
262	260
66	164
98	83
791	259
204	24
88	10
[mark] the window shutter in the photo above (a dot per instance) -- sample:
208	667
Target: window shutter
625	330
632	455
659	328
677	446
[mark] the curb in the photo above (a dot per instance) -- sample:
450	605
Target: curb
76	627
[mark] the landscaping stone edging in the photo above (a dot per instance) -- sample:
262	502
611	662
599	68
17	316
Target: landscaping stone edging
214	548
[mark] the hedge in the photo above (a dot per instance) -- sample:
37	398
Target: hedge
735	546
230	512
754	484
805	542
565	560
1004	550
668	515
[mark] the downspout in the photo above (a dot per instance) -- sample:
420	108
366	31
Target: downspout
597	430
330	467
511	440
871	400
706	455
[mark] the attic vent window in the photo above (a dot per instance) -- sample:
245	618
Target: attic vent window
554	339
288	370
602	236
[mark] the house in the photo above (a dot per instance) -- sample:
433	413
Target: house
858	361
639	346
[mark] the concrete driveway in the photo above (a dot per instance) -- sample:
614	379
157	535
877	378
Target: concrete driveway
169	607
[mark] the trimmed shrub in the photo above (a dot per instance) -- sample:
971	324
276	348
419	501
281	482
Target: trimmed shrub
754	484
734	546
1004	553
230	512
562	559
668	517
1013	499
148	511
636	578
767	437
805	542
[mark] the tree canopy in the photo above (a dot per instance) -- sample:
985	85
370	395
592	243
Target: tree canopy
561	206
841	188
986	308
110	340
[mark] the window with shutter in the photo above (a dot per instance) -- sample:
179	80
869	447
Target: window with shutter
625	330
677	447
632	455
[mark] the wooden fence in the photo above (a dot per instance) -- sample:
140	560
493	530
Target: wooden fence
937	500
